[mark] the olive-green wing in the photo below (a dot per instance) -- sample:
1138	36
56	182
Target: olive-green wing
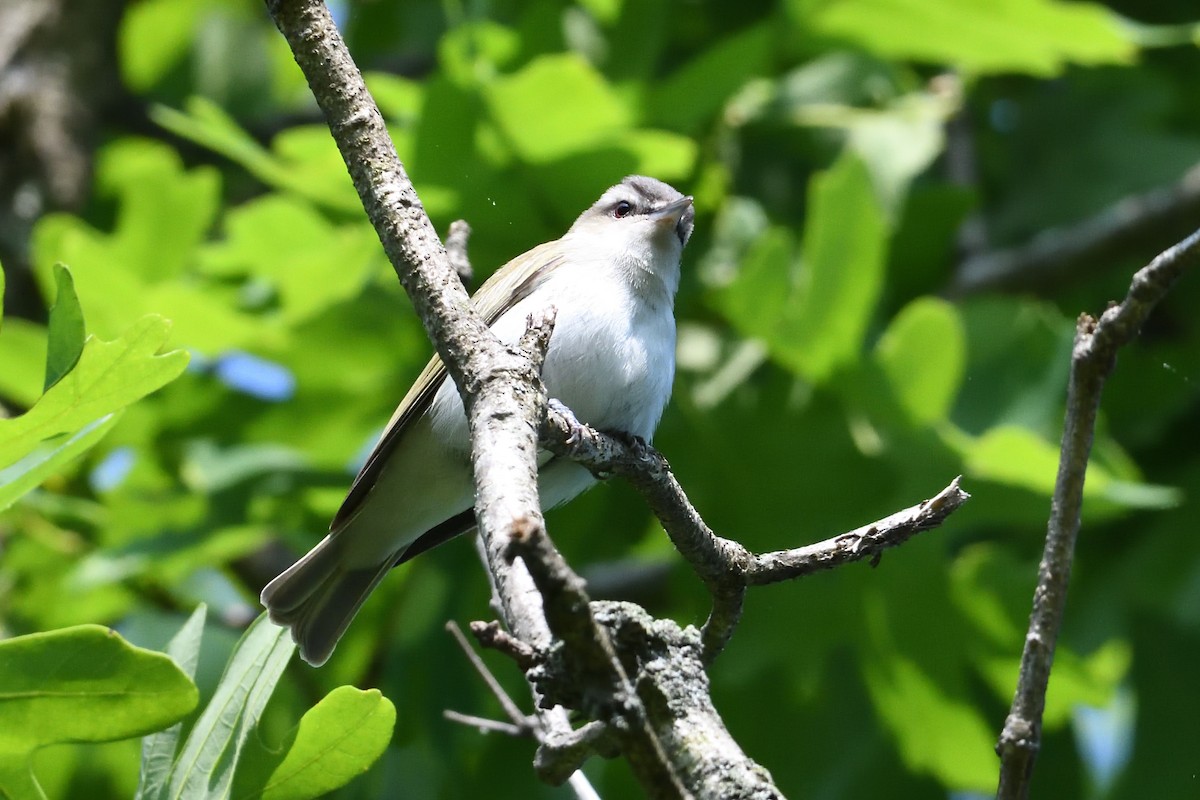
504	289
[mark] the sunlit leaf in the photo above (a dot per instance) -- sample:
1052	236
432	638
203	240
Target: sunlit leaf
936	733
154	37
1038	37
815	319
1017	457
49	458
165	208
210	755
574	108
81	684
283	240
23	354
923	354
158	749
108	377
336	740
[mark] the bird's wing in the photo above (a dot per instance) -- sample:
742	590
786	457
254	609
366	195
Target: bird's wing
503	290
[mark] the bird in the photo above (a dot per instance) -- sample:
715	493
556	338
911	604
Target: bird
612	279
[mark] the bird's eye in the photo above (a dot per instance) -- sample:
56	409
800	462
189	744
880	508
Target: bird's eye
622	209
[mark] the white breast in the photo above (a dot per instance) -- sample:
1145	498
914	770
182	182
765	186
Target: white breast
611	357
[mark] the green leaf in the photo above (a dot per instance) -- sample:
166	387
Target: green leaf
282	239
845	241
206	765
663	154
158	749
760	298
398	98
336	741
49	458
919	677
207	124
897	143
695	92
1038	37
923	355
936	732
302	160
814	319
23	354
154	37
574	108
108	377
1018	457
80	684
165	209
472	51
67	333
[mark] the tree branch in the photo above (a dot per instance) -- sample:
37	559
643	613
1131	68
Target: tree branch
1119	231
725	566
500	386
1092	360
649	691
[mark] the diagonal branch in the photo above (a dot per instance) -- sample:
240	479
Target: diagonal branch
726	567
1092	360
1119	232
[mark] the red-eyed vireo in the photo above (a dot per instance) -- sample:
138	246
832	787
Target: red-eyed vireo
612	279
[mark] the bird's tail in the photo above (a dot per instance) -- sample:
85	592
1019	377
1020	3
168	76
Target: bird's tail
318	596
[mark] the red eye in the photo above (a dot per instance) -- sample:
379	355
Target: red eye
622	209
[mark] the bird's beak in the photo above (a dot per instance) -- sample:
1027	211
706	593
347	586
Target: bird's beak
669	215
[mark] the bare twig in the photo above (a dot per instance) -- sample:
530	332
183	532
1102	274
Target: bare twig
1118	232
869	541
1092	360
510	708
485	725
561	753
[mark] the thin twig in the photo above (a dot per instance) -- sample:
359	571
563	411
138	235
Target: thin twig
1092	360
510	708
485	725
865	542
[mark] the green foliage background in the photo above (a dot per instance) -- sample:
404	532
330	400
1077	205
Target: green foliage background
824	377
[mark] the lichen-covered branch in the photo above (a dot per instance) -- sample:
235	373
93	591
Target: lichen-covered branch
1092	360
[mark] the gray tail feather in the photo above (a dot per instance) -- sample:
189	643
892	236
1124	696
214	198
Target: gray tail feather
318	596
